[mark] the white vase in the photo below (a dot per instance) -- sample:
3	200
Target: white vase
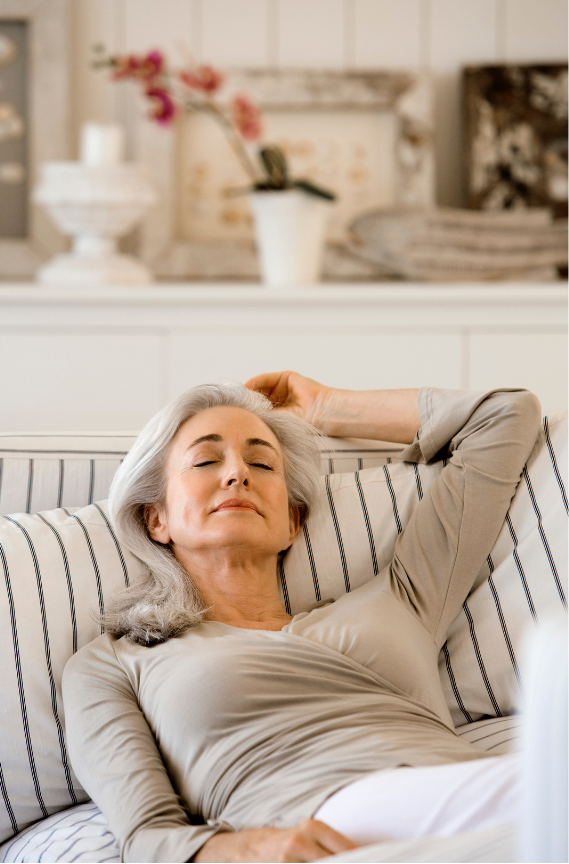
95	205
290	228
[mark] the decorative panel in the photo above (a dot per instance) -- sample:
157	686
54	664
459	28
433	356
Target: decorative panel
13	129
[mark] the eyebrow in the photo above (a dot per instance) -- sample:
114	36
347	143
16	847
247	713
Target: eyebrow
251	442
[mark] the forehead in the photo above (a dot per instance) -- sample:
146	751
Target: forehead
235	425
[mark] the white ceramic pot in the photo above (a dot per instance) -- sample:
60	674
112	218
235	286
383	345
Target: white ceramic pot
290	228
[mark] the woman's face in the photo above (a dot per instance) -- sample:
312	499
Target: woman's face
225	488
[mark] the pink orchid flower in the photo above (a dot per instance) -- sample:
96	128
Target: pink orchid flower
164	109
138	67
205	78
247	118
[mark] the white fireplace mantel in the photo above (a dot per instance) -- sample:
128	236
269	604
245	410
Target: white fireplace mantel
106	359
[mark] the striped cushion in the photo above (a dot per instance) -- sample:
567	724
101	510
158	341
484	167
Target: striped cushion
55	568
81	833
43	472
56	565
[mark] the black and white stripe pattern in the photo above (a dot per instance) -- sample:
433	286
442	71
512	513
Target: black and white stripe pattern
77	834
54	568
496	735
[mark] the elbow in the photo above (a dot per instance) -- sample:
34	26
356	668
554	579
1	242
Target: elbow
524	409
529	407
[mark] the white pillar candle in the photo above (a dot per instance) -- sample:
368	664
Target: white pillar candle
102	144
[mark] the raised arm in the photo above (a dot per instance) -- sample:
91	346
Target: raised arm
115	757
383	415
487	438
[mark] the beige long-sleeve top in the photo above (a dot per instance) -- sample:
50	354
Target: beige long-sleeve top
235	728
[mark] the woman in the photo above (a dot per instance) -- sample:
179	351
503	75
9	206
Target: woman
207	723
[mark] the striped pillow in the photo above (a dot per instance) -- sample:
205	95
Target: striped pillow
56	566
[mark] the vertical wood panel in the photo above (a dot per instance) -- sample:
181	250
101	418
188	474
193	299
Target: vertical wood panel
93	95
235	32
86	381
387	34
165	25
461	32
353	358
535	361
311	33
536	30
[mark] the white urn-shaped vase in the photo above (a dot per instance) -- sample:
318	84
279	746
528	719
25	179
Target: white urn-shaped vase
290	229
95	201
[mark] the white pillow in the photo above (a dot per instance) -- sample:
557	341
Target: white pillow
56	566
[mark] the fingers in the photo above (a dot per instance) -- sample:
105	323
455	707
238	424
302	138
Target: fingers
329	838
265	381
274	385
312	840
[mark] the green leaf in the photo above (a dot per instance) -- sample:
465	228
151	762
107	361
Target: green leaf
312	189
274	163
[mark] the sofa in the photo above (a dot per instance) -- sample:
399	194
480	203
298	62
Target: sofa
60	559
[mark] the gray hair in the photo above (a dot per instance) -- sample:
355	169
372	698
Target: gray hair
164	602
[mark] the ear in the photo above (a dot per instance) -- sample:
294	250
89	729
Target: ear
156	523
294	521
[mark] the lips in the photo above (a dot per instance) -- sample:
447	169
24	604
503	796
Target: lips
237	504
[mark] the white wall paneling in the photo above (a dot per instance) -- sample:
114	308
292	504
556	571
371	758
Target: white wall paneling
235	32
311	33
535	360
462	32
166	25
94	97
80	378
388	34
107	359
536	30
358	357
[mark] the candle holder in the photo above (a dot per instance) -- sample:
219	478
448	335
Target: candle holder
95	204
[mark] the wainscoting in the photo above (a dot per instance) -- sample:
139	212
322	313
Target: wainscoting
107	359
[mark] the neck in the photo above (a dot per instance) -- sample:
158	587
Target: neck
237	589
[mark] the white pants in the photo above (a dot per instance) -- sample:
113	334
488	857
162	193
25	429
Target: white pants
402	803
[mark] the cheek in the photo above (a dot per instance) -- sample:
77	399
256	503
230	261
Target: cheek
185	497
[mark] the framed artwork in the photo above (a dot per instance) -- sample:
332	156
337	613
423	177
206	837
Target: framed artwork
515	146
34	126
365	135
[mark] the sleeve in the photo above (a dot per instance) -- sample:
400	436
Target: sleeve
487	438
115	757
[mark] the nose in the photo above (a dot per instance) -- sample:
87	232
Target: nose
237	473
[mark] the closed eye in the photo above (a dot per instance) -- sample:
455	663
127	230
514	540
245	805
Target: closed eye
201	464
261	465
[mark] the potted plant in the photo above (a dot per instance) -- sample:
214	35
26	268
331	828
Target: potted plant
290	215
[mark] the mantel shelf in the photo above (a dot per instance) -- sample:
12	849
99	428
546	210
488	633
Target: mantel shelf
251	294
